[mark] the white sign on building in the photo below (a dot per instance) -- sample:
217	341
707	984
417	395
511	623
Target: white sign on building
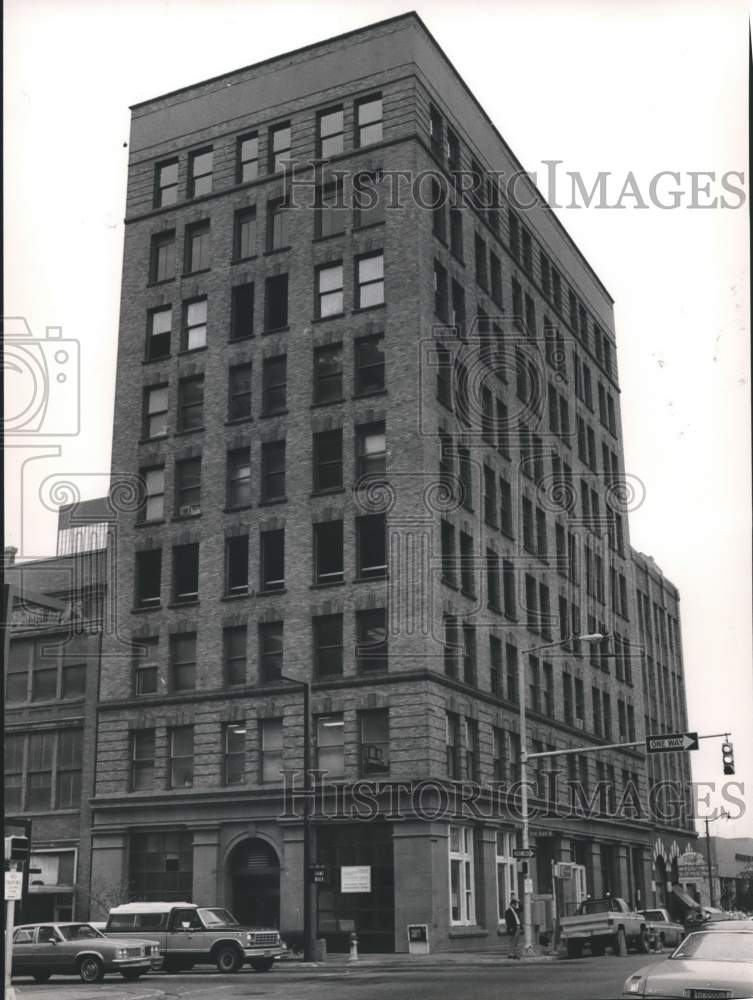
355	878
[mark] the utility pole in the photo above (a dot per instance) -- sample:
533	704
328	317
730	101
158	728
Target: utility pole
708	863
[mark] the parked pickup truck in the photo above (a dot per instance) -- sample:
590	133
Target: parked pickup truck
668	933
189	935
604	923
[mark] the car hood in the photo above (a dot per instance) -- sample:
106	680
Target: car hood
672	977
118	942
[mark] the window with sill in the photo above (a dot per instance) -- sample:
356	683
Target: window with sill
370	280
194	325
181	754
183	661
271	738
371	450
280	141
191	403
457	314
492	579
239	392
330	745
244	233
200	172
239	477
469	672
328	373
368	198
451	652
452	745
447	542
329	290
142	760
272	471
369	364
166	183
328	460
242	311
278	224
236	565
482	276
328	645
375	742
495	269
330	133
436	130
148	573
272	564
444	377
186	573
490	496
234	654
270	651
456	233
438	204
441	300
508	589
155	412
162	257
462	397
247	158
234	756
152	482
274	378
330	210
368	115
371	640
188	487
467	567
465	474
496	667
197	247
276	303
328	552
371	546
51	778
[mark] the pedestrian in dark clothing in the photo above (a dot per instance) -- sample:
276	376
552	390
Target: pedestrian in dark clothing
512	921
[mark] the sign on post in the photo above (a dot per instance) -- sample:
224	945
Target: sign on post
524	852
355	878
418	939
671	742
318	874
14	882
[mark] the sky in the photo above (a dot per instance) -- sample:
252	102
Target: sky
643	87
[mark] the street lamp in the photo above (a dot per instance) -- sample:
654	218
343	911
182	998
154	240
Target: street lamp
588	637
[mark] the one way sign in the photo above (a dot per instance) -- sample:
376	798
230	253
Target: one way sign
670	742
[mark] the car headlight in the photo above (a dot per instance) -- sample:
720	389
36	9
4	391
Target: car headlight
154	950
635	984
250	937
121	953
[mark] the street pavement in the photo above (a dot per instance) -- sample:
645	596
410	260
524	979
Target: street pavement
389	977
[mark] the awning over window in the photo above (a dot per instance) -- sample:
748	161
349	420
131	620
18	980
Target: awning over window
684	899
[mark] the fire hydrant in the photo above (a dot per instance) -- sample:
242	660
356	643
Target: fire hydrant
353	956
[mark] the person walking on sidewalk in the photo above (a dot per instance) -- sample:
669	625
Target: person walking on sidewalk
512	920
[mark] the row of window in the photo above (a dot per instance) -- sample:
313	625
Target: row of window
367	129
328	562
49	668
43	770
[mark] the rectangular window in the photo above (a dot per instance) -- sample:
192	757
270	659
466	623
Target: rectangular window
456	233
245	234
188	487
162	261
370	281
160	328
371	547
239	477
271	750
272	471
371	640
496	667
191	403
155	412
200	172
234	764
39	771
330	211
330	745
73	683
234	654
278	224
329	290
183	661
371	450
328	461
276	303
142	760
146	667
436	130
328	373
441	301
152	494
248	158
462	877
375	742
452	744
69	757
330	132
242	311
368	365
469	654
328	645
197	247
186	573
492	579
272	566
368	199
271	639
166	183
457	313
451	645
148	571
490	496
274	379
239	392
328	552
467	568
482	275
280	139
236	565
181	756
369	120
496	278
447	539
195	325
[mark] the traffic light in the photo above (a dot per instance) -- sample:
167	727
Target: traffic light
728	758
16	848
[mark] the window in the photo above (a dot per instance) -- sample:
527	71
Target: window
148	570
272	567
328	552
328	461
279	147
245	234
368	199
329	290
452	744
155	412
467	568
492	579
275	384
183	661
329	217
369	120
162	261
447	539
375	742
239	477
146	670
158	338
188	487
370	281
39	770
371	549
73	683
453	149
272	471
496	278
330	132
435	130
234	654
271	749
469	655
456	233
507	872
236	565
371	640
181	756
186	573
276	303
330	745
195	325
457	314
270	651
451	646
142	760
462	895
371	450
242	311
482	275
490	496
441	301
465	472
200	172
197	248
248	157
191	403
166	183
508	589
437	202
234	764
278	224
152	494
369	365
239	392
69	756
496	667
328	645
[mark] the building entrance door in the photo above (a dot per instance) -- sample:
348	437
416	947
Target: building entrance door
255	880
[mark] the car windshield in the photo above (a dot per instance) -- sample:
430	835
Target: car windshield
215	917
598	906
74	932
717	947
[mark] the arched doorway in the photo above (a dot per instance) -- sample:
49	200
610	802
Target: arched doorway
254	870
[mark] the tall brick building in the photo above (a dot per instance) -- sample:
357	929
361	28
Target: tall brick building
370	404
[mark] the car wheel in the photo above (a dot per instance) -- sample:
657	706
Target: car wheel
228	959
91	970
643	943
262	964
131	974
574	949
41	977
619	946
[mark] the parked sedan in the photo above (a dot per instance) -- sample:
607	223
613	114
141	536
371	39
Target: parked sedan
44	950
661	925
708	965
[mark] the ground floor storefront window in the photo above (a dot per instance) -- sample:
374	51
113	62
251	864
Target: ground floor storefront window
161	866
506	872
462	877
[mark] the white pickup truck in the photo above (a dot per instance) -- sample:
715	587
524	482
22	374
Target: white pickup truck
604	923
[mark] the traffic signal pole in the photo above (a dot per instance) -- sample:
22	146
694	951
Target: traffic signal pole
708	863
